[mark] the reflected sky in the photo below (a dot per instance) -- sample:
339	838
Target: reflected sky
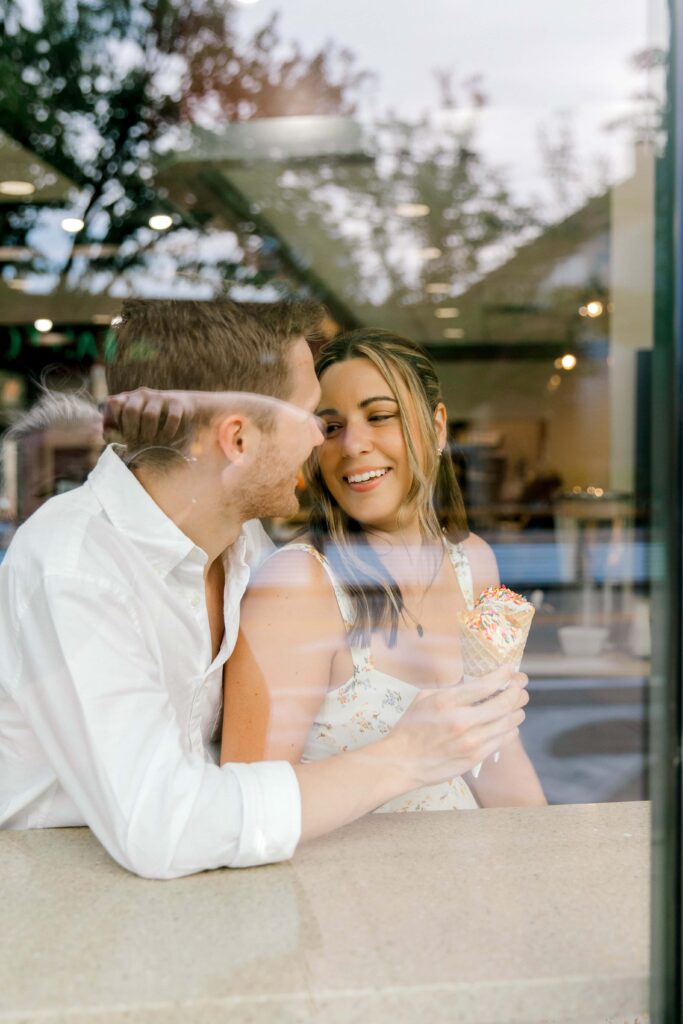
537	60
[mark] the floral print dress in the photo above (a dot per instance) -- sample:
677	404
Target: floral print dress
369	704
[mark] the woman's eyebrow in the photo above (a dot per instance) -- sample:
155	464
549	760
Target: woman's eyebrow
361	405
377	398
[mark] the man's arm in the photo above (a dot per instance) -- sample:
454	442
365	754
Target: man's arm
97	706
90	688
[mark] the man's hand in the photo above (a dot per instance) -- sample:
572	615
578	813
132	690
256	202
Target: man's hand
446	732
443	733
145	415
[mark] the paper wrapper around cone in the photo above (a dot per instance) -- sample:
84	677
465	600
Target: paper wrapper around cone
481	656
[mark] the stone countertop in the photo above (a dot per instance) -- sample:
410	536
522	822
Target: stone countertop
525	915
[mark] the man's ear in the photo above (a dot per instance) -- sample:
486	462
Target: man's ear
231	437
441	424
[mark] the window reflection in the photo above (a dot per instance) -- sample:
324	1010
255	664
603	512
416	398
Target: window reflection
489	194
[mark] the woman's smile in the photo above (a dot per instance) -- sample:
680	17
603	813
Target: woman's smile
361	480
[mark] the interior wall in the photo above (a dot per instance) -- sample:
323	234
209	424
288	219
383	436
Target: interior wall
576	414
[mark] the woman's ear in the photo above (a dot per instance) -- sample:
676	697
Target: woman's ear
441	424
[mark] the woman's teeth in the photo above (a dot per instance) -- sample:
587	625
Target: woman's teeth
360	478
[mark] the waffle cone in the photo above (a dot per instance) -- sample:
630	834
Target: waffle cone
479	656
519	617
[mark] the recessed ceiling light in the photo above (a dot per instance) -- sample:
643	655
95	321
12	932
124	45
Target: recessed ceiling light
17	188
568	362
160	221
412	210
73	225
43	325
594	308
447	313
438	288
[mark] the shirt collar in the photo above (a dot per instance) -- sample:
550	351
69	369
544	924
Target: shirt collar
135	514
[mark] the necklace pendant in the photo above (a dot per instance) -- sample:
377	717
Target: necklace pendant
420	630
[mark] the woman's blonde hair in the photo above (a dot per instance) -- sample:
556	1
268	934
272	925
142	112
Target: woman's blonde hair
434	492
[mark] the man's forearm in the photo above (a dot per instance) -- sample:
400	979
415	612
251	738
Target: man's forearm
340	789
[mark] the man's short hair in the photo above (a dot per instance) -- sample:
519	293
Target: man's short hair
185	345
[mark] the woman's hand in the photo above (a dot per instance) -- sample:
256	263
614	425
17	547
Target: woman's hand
145	415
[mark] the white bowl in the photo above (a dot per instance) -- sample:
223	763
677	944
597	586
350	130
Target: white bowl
582	641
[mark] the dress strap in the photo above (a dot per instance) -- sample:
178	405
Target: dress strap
463	571
359	655
343	599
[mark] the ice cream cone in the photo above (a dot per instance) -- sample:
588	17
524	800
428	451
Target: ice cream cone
494	633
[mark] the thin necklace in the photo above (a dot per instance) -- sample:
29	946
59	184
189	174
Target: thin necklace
418	625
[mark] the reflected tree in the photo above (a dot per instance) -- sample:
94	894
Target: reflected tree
102	89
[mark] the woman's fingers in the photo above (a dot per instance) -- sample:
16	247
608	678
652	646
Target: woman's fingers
150	418
176	415
130	417
145	416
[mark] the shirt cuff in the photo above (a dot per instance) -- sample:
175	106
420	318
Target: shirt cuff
271	812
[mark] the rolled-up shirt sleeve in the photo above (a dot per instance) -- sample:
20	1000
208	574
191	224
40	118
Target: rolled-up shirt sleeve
89	685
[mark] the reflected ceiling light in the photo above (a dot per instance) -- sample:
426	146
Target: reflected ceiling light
598	492
412	210
447	313
438	288
583	311
554	382
454	332
160	221
17	188
594	308
43	325
73	225
568	362
430	253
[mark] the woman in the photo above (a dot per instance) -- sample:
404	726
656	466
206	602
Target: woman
340	631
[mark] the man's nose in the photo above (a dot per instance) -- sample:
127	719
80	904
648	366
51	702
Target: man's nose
318	431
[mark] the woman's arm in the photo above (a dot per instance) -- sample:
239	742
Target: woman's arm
512	781
276	681
278	674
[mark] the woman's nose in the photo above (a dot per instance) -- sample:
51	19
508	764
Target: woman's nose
356	439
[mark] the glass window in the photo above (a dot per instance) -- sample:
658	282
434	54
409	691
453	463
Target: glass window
497	182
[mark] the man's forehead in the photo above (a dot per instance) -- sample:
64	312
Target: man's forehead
304	381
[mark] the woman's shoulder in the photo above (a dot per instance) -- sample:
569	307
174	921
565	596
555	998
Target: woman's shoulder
293	566
294	585
482	560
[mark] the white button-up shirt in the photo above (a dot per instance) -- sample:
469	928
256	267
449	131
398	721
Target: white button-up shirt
109	698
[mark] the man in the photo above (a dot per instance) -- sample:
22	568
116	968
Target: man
119	605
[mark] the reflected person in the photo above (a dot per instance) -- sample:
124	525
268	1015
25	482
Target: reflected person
120	604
